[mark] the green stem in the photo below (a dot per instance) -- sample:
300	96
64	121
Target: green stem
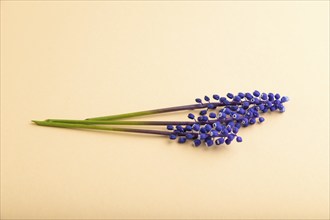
162	110
97	127
114	122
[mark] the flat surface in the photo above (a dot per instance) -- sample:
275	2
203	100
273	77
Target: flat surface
62	59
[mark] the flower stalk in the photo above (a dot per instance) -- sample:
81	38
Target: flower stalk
218	121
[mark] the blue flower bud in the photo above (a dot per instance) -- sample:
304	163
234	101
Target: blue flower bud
209	142
202	136
191	116
203	112
172	136
241	111
277	96
206	98
224	132
223	99
282	110
212	115
196	127
261	119
239	139
197	142
269	103
214	133
216	97
188	128
231	137
227	141
241	95
208	128
252	121
205	118
245	121
271	96
227	111
202	130
189	136
218	128
198	100
284	99
182	140
231	124
230	95
264	96
220	141
179	128
255	114
256	101
215	124
256	93
248	96
170	127
261	107
245	105
222	115
235	130
200	118
237	99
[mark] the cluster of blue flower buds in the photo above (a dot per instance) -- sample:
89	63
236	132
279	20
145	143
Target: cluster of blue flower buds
221	119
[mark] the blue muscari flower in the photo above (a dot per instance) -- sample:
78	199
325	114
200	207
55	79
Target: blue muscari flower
214	133
235	130
212	115
209	142
245	105
203	112
182	140
239	139
256	93
219	141
208	128
223	99
230	95
202	130
223	128
264	96
179	128
248	96
241	95
277	96
188	128
196	127
237	98
191	116
172	136
216	97
227	141
170	127
205	118
197	142
284	99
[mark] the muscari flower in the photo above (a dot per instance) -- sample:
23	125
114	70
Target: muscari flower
218	121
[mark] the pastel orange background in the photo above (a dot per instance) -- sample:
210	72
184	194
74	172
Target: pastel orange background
78	59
